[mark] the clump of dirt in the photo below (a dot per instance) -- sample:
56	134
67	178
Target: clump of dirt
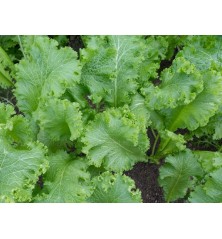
76	43
203	143
145	176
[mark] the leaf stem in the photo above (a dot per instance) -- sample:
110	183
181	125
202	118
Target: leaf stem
21	47
153	132
154	145
220	149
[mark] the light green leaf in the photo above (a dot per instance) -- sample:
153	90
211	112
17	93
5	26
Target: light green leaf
180	84
6	69
205	52
210	187
170	143
155	51
201	109
114	188
46	71
77	93
213	186
15	128
60	120
19	171
200	196
66	180
174	43
140	110
6	111
111	67
211	191
210	161
116	140
176	173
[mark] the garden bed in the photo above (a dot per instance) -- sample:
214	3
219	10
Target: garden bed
111	119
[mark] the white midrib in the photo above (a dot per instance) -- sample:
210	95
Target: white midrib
116	68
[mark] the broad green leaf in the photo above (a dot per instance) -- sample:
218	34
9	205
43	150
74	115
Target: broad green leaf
19	171
200	196
170	143
114	188
45	71
217	127
18	130
6	111
6	69
176	173
15	128
205	52
213	186
210	161
77	93
180	84
111	67
174	43
62	40
201	109
140	110
116	140
60	120
155	51
7	41
66	180
213	128
211	191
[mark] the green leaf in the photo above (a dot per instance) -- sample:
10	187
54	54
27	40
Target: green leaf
111	67
62	40
6	111
174	42
19	130
170	143
66	180
8	42
15	128
114	188
60	120
201	109
19	171
180	84
211	191
210	187
205	52
6	69
200	196
46	71
213	186
140	110
5	81
214	126
210	161
77	93
116	140
176	173
155	51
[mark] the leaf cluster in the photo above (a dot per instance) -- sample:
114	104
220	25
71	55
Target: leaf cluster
79	121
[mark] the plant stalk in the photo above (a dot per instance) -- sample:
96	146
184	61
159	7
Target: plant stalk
21	47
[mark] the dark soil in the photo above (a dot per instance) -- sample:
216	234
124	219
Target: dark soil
76	43
145	176
197	144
